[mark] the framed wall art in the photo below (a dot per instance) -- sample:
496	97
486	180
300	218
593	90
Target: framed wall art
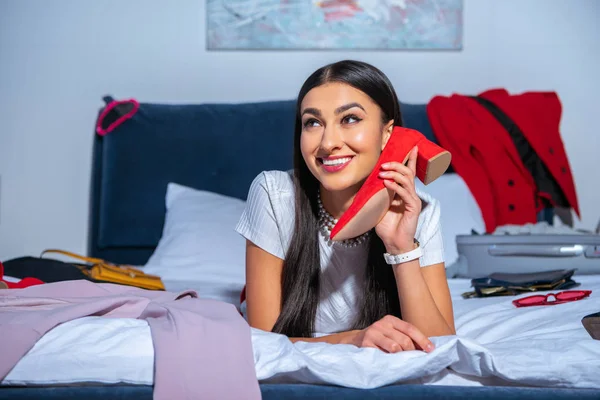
334	24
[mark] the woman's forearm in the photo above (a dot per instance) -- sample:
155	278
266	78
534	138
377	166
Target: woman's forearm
416	303
335	338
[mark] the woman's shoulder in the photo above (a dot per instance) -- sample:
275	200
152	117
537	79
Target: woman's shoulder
266	217
273	187
274	182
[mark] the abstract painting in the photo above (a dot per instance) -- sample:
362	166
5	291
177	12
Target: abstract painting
334	24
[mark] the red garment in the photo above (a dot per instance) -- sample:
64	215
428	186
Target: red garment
484	155
538	115
23	283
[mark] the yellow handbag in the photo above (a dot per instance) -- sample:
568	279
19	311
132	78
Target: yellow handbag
104	271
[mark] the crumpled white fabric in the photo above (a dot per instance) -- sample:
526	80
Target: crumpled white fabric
496	343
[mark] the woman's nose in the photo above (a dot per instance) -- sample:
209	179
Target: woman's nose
331	139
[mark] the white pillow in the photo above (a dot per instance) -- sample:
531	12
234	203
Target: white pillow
459	211
199	248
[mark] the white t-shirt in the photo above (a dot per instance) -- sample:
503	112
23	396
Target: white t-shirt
268	222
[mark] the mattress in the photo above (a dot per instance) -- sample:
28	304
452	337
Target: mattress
496	344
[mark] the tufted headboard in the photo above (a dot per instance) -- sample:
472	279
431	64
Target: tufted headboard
214	147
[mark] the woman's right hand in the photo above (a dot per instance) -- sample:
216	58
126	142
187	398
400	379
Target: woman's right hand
392	335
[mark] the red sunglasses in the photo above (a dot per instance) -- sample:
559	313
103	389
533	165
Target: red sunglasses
560	297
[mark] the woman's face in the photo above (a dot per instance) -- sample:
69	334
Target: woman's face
342	135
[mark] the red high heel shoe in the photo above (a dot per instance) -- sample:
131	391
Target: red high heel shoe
373	199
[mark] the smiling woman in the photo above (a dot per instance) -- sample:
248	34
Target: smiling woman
301	283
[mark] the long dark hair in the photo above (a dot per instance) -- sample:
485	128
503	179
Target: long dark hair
301	269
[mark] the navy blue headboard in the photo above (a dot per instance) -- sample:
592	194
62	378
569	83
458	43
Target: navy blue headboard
215	147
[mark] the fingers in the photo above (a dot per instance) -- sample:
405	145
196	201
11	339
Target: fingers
405	195
411	331
377	339
409	169
397	167
401	180
405	181
391	334
400	191
412	160
401	339
399	174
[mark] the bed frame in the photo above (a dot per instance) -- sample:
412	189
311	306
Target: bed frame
217	147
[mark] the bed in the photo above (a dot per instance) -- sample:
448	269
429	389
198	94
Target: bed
156	182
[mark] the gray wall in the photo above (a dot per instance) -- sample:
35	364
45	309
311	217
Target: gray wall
57	58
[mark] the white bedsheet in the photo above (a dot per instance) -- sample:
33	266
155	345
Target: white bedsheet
496	344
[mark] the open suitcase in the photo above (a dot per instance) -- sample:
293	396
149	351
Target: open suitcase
481	255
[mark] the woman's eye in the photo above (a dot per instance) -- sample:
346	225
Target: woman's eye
351	119
309	123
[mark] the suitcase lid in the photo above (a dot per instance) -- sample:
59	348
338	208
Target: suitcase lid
549	239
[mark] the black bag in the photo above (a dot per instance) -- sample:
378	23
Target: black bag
93	269
45	269
505	284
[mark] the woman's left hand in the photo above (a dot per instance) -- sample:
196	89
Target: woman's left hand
398	226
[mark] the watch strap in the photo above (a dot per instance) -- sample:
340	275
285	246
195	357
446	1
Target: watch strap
414	254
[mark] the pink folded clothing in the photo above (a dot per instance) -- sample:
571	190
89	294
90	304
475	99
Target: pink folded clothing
202	347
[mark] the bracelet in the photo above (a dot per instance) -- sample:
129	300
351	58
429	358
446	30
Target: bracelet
414	254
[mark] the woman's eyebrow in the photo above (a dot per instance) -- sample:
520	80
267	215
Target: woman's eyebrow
348	106
312	111
339	110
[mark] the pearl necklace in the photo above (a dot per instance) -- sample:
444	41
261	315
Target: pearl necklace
326	224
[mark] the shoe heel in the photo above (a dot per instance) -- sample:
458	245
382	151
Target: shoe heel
432	161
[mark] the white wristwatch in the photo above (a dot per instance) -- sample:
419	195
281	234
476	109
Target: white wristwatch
414	254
